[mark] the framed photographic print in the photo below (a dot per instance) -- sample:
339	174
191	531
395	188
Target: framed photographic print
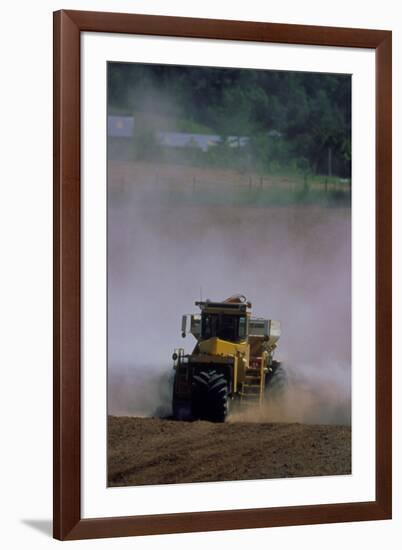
222	267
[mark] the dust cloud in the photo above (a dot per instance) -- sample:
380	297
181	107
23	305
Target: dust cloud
292	262
311	396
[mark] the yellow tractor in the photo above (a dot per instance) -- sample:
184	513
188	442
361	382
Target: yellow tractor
232	362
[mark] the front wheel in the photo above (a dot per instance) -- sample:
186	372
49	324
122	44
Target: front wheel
210	397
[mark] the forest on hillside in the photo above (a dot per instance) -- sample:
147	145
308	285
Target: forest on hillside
293	121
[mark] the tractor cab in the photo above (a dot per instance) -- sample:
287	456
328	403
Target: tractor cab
224	321
227	320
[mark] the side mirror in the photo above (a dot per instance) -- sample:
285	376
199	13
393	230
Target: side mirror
183	334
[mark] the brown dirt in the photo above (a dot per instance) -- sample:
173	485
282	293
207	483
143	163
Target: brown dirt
123	173
149	451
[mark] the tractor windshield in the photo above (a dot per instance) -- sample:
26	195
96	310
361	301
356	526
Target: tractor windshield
226	327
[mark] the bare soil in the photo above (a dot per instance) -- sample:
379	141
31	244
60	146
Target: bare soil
123	173
149	451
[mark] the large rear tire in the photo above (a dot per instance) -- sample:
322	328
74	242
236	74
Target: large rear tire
210	396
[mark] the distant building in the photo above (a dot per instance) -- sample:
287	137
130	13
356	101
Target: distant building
123	126
275	134
121	131
199	141
120	126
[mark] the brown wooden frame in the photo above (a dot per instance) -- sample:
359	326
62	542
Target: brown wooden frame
67	474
